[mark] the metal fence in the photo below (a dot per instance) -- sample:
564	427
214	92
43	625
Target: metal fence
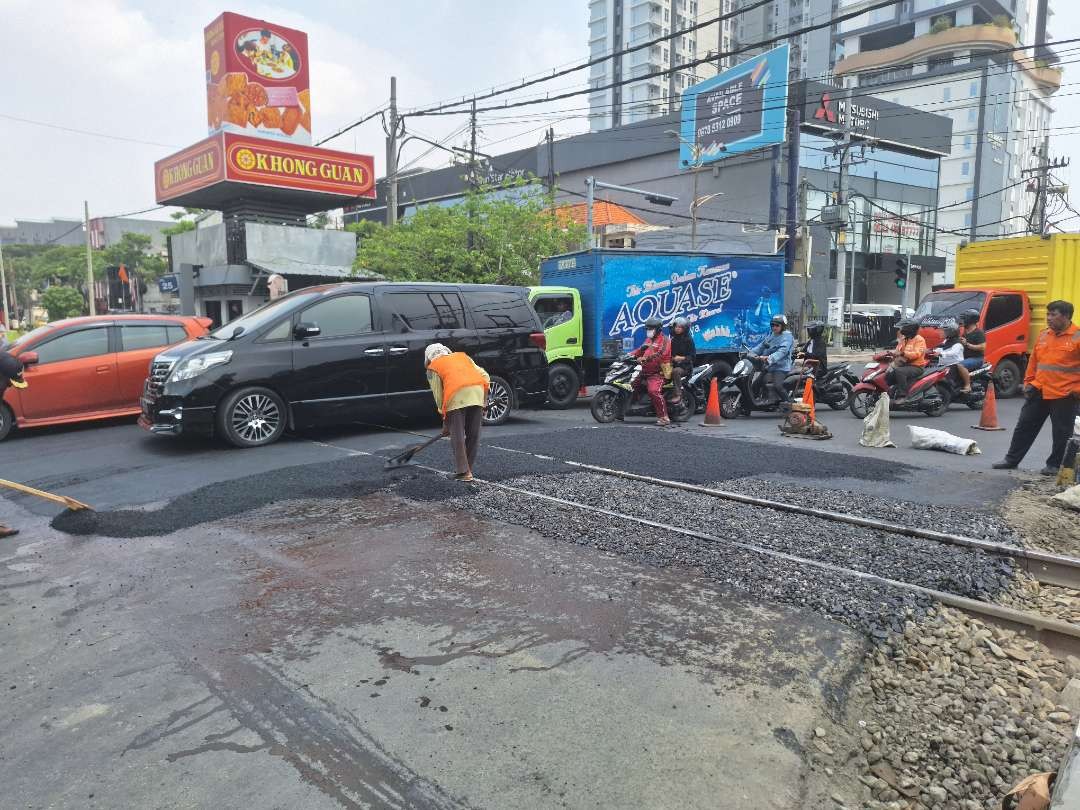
869	332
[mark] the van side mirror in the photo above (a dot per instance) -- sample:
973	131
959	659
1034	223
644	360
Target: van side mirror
305	330
28	358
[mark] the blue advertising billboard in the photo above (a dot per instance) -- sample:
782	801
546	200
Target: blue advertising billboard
741	109
728	300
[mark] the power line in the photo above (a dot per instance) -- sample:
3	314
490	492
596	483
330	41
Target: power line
91	133
597	60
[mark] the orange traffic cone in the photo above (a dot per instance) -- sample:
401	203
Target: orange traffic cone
808	397
988	418
712	409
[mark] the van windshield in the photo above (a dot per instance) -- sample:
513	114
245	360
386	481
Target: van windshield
948	304
258	318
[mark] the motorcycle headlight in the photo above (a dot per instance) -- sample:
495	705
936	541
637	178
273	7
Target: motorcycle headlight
200	364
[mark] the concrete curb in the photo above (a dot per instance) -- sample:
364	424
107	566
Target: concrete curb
1067	787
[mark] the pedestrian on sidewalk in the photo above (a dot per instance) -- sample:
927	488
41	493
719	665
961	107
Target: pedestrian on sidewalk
10	375
1051	388
460	389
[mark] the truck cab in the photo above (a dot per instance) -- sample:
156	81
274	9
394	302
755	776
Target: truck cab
560	313
1005	318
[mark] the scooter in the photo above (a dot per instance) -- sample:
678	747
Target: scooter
833	387
930	394
981	378
744	391
616	399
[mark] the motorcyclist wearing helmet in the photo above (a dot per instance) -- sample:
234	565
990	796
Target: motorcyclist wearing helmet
683	353
951	353
910	359
653	354
775	351
815	348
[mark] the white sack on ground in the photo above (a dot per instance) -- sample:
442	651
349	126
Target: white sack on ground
875	431
1069	498
930	439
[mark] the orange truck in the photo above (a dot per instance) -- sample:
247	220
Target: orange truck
1009	281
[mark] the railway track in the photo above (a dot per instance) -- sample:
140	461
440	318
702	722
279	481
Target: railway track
1060	636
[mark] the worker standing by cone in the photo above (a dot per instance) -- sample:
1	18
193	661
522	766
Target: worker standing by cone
460	389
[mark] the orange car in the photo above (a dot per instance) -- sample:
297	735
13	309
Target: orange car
89	368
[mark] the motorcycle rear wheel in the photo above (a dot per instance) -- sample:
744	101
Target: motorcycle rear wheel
605	406
862	402
941	407
688	407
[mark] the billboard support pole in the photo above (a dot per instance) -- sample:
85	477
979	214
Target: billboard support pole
841	243
793	167
89	260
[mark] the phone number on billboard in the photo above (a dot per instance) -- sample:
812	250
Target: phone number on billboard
720	124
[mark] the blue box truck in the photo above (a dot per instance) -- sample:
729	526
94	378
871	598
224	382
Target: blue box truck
594	305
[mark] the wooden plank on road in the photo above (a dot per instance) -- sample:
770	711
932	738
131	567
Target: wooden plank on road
63	500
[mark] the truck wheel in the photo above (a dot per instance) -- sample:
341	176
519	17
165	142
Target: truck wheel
252	417
7	421
500	400
1007	378
563	385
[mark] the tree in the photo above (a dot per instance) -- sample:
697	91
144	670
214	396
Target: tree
185	221
62	302
494	236
134	252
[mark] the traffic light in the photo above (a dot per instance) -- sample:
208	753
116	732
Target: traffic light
901	271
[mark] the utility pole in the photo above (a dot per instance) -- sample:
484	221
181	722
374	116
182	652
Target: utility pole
472	170
802	255
841	242
1037	223
392	156
3	294
590	194
551	171
89	260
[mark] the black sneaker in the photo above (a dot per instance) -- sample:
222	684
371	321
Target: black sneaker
1003	465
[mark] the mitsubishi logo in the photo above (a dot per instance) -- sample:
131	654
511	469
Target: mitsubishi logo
825	109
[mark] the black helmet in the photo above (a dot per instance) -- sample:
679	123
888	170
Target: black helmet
907	328
951	331
779	319
815	328
969	316
681	321
654	323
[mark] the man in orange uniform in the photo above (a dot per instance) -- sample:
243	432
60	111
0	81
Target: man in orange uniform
460	389
1052	389
910	357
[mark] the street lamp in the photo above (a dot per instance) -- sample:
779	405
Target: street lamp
695	166
591	184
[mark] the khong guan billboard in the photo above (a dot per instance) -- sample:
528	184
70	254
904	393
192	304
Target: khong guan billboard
738	110
257	79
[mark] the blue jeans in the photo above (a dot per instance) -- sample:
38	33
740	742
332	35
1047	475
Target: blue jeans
972	363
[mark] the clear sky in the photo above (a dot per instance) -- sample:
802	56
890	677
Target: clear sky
134	70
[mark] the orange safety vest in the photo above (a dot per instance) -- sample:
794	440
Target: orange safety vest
1054	367
457	371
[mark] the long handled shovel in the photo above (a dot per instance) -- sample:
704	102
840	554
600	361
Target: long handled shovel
405	459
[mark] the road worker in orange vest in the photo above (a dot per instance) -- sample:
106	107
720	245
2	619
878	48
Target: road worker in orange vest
1052	389
460	389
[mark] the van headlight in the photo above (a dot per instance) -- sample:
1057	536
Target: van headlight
194	366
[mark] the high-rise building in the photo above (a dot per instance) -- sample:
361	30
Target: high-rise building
618	24
964	60
813	53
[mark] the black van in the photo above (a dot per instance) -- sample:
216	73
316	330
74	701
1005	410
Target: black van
344	352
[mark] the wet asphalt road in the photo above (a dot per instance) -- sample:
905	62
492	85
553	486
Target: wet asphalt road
279	628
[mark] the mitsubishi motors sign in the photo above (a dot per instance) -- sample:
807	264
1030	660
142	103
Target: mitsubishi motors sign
835	110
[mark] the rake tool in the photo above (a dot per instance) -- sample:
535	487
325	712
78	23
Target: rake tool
405	459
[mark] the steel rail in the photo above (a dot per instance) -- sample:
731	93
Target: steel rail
1061	637
1051	569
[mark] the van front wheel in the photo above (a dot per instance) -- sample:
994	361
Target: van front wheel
252	417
